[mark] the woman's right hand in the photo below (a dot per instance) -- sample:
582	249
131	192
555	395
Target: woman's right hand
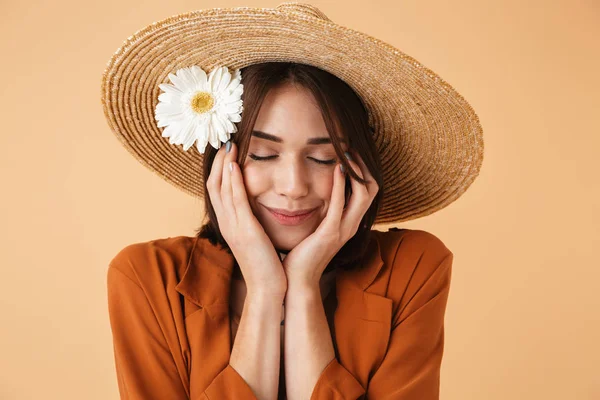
248	241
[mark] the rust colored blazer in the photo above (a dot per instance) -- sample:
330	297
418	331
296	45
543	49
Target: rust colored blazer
168	303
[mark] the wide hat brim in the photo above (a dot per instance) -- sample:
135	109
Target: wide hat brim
429	138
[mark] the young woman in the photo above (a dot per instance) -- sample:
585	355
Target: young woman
286	291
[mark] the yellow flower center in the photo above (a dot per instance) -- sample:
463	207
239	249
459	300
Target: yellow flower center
202	102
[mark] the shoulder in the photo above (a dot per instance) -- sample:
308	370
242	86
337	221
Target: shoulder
418	267
413	257
413	241
143	261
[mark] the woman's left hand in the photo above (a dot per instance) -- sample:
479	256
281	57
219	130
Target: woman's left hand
305	263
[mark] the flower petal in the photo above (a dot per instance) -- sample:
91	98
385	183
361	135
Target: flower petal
187	132
215	129
236	93
173	98
224	81
230	108
168	109
178	82
168	118
187	77
222	131
172	130
234	117
199	77
164	121
214	77
195	134
236	81
188	144
229	128
168	88
201	147
202	138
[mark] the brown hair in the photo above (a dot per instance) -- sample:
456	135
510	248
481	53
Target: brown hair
344	114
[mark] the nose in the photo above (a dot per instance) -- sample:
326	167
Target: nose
290	179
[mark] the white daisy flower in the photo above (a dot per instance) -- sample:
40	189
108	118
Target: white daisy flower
201	109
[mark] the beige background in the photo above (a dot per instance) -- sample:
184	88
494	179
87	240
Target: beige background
523	319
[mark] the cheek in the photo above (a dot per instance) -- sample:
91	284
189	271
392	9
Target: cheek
323	186
255	181
322	190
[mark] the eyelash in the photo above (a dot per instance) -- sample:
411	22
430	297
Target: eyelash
258	158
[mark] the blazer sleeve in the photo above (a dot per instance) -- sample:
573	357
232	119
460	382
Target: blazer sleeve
147	366
411	367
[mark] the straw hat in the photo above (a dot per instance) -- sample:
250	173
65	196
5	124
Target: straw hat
429	138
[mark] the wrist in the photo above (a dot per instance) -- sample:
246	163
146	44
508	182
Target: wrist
262	296
304	290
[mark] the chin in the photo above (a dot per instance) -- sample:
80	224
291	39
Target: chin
283	242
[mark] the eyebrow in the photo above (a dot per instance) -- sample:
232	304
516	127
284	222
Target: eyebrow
277	139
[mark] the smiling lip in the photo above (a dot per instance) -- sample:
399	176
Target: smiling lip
287	213
294	219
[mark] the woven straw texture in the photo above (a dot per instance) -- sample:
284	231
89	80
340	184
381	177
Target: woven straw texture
429	138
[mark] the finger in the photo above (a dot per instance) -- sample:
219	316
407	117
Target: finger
213	182
226	191
359	201
239	195
372	186
336	205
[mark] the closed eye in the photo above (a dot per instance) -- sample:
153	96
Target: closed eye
259	158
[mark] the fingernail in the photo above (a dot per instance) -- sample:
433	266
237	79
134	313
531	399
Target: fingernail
343	168
228	146
348	155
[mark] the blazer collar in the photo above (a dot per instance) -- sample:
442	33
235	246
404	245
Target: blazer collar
207	277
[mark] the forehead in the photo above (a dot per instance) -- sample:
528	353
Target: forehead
290	113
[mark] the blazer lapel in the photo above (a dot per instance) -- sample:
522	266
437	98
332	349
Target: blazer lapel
206	286
363	317
207	279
